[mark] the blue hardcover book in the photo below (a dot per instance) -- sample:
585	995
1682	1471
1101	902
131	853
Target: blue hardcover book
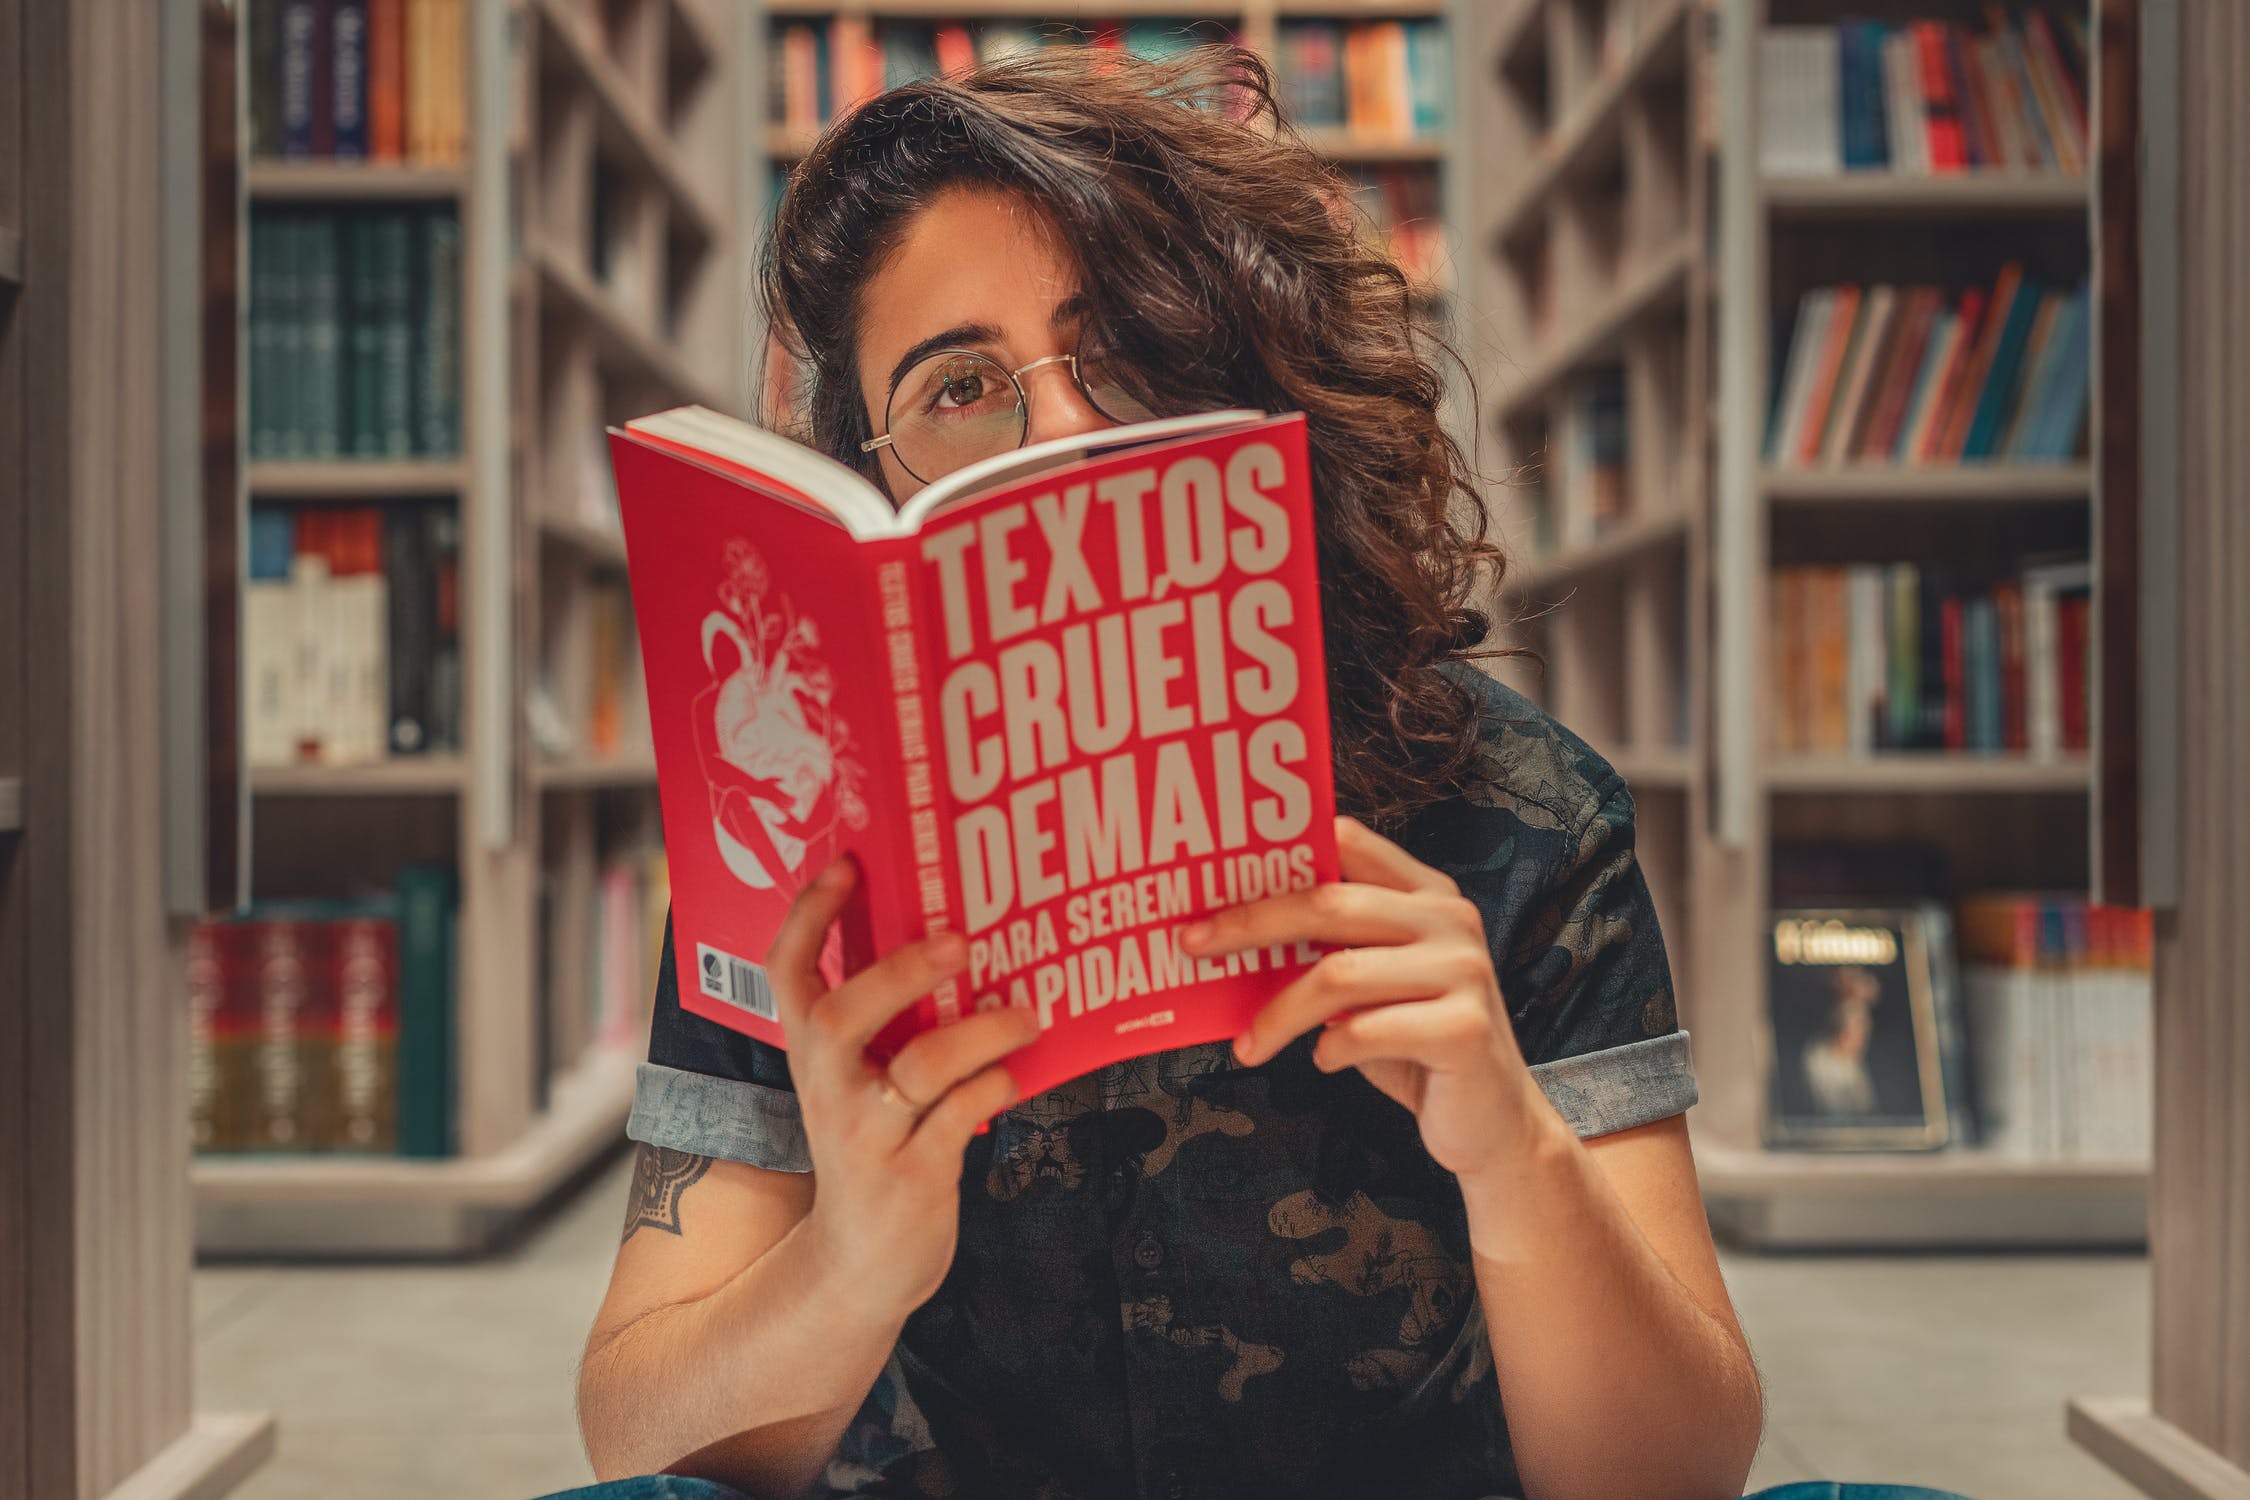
273	541
2057	437
1980	624
1311	57
1429	76
347	52
1860	93
2000	381
299	30
2039	358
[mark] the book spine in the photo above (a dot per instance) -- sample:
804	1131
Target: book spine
308	587
407	590
264	23
321	285
439	339
911	674
1905	656
443	547
209	1128
1950	642
362	337
386	79
1948	147
284	964
296	44
426	902
391	308
347	58
364	1058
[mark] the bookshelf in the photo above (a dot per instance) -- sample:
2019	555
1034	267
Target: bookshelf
1635	263
578	305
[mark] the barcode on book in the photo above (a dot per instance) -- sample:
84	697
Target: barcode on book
739	982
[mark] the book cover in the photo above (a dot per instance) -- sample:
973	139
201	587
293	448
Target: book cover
1851	1042
296	47
409	590
269	640
288	1109
1942	104
386	79
427	897
363	1058
1063	703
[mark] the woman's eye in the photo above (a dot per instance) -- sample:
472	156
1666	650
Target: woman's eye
961	390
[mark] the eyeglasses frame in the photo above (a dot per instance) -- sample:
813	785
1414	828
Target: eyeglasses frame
1015	378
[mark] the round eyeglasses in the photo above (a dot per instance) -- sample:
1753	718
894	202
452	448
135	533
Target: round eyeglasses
957	406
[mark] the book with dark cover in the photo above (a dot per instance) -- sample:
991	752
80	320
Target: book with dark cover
437	341
1852	1043
428	896
347	92
410	594
443	545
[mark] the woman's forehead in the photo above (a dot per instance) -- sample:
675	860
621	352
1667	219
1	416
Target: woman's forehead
971	256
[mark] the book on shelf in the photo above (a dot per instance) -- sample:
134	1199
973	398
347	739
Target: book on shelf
1587	460
1399	207
1927	97
354	333
1895	656
326	1025
357	80
2059	992
351	633
1862	1037
1924	375
1375	80
1062	702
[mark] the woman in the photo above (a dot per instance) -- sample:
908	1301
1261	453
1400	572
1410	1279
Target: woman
1448	1244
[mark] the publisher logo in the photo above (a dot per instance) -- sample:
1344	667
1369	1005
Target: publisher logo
737	981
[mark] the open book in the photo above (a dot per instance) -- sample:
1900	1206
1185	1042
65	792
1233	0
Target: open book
1064	702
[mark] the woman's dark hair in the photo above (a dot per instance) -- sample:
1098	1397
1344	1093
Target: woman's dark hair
1218	256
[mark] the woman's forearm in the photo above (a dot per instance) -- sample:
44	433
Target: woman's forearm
1615	1380
752	1385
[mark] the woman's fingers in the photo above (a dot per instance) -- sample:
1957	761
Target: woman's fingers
1351	977
926	1067
1338	915
793	958
947	1127
848	1016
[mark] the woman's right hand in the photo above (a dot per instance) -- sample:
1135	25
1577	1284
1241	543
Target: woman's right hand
887	1205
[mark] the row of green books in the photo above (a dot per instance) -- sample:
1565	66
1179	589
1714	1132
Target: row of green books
355	333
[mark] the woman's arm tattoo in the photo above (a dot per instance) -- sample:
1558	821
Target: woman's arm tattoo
660	1176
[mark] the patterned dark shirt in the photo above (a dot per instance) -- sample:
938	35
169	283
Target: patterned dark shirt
1178	1276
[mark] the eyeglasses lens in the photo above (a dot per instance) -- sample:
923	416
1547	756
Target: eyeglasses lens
951	410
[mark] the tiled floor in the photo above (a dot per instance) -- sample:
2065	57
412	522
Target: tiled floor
455	1381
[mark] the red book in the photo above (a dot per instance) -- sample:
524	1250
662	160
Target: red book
1960	410
2071	612
1956	673
1980	136
1826	372
288	981
1937	405
956	49
1063	702
1948	149
386	79
363	1053
1878	438
2007	605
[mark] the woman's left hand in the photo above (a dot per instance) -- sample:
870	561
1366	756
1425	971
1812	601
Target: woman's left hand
1408	996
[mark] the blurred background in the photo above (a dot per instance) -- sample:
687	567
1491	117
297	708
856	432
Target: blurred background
1858	383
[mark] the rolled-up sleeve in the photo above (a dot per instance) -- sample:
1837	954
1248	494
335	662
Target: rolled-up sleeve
711	1091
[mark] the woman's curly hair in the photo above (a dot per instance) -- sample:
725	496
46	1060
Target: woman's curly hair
1219	256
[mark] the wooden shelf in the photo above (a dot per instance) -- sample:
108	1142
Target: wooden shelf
596	771
1356	146
1968	194
953	10
1662	283
627	122
1666	767
272	181
621	339
11	258
1927	772
1595	126
1995	483
11	804
1804	1199
1621	544
356	478
402	776
604	544
337	1205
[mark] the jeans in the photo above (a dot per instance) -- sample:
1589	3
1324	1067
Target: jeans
665	1487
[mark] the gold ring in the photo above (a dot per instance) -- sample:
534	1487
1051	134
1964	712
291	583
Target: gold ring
897	1100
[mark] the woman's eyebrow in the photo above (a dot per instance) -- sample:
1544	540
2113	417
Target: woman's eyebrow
958	336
